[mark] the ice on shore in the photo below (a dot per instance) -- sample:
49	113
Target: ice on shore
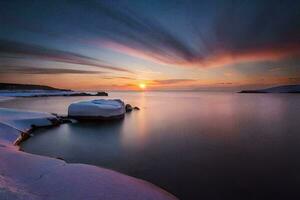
24	120
30	93
47	93
100	108
28	176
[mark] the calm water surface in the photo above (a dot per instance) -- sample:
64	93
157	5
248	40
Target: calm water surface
194	145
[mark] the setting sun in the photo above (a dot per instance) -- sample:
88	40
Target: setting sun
142	85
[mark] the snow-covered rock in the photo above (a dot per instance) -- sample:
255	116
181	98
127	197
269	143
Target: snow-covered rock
28	176
24	120
15	124
97	109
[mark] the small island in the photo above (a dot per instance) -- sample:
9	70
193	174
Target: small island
28	90
278	89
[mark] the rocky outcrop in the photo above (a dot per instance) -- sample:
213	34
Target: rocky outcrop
130	108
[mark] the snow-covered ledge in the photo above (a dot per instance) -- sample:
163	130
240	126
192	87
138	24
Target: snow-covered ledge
28	176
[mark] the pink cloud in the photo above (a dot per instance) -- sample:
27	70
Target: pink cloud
216	59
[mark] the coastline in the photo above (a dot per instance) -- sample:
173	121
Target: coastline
29	176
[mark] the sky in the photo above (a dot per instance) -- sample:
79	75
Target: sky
150	45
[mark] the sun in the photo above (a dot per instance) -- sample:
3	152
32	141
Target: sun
142	86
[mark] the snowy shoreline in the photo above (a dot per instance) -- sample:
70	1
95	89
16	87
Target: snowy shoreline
47	93
29	176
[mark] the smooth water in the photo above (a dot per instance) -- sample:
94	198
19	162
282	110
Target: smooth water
194	145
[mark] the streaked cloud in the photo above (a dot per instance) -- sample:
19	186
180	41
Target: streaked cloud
6	69
171	81
11	49
190	45
240	32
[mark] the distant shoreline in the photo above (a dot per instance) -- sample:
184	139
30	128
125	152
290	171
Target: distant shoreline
291	89
27	90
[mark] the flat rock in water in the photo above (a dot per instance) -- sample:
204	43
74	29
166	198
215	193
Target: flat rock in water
97	109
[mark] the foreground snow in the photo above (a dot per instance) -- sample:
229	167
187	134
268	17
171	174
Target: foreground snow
27	176
100	108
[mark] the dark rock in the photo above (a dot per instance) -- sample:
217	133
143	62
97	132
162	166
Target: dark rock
23	136
136	108
54	121
33	126
128	108
251	91
65	121
60	158
101	94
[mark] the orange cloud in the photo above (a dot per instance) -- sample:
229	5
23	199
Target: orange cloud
216	59
146	55
268	54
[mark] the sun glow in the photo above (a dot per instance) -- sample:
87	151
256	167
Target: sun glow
142	86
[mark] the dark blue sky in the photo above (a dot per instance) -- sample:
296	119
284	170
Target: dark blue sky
164	44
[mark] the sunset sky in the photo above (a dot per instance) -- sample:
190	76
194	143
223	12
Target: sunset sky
150	45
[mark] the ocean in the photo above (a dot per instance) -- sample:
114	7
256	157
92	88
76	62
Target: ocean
195	145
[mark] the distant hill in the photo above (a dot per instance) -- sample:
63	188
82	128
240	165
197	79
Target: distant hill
13	86
27	90
278	89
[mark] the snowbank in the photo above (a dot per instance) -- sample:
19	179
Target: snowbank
27	176
94	109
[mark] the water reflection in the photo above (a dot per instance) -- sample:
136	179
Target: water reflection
195	145
134	131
